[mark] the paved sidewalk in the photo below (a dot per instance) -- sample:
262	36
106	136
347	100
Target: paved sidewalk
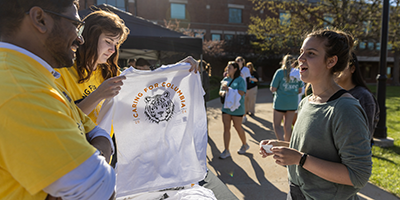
250	176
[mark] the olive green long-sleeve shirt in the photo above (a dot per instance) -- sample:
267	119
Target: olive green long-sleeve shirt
335	131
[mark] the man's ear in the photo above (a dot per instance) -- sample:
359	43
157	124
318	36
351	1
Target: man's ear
39	19
332	61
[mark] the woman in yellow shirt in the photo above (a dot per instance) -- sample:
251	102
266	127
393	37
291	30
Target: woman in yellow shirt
94	76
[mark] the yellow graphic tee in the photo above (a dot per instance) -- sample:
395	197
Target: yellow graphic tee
42	135
69	79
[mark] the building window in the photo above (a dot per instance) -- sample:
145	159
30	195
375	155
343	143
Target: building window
370	46
284	18
199	35
215	37
378	46
120	4
228	37
362	45
235	15
367	26
178	11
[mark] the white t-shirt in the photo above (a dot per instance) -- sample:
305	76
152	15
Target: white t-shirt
160	126
295	74
244	73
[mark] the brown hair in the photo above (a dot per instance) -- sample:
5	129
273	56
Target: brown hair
96	23
240	57
206	65
12	12
337	43
287	63
251	67
235	66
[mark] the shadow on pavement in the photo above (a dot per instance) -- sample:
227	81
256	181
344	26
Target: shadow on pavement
257	132
231	173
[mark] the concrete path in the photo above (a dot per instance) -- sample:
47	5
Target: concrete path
250	176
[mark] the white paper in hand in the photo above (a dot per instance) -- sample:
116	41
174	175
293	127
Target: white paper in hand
267	148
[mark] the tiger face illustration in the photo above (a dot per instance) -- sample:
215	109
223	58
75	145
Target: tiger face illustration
159	107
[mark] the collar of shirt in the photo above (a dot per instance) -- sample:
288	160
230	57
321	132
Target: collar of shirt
28	53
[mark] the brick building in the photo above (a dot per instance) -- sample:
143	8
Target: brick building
225	20
217	20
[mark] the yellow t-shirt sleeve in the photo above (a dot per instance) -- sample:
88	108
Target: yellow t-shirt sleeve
41	134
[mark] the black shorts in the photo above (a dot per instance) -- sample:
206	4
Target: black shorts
283	111
295	193
232	115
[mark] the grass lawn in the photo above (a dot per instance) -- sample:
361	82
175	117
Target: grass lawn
386	161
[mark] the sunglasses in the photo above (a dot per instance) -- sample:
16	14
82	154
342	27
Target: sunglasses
80	25
239	60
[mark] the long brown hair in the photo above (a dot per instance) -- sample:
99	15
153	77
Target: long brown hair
96	23
251	67
336	42
287	62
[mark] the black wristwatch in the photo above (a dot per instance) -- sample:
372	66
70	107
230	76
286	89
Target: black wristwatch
303	159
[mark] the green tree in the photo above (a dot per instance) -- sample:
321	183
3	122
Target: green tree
281	29
394	38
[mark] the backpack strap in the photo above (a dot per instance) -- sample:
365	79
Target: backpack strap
231	82
337	94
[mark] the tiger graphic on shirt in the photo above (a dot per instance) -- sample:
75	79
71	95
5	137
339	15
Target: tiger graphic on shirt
159	107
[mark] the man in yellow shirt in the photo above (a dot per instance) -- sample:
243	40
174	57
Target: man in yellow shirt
44	148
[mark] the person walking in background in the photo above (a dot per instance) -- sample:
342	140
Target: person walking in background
252	89
351	80
286	89
245	74
232	86
329	154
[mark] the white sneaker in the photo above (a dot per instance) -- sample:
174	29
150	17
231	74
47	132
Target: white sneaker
244	119
225	154
243	149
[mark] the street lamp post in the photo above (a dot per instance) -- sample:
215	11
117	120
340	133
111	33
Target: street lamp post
381	130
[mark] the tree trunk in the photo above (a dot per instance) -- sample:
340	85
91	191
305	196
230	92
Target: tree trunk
396	67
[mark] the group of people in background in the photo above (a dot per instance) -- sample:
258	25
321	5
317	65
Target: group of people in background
328	150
